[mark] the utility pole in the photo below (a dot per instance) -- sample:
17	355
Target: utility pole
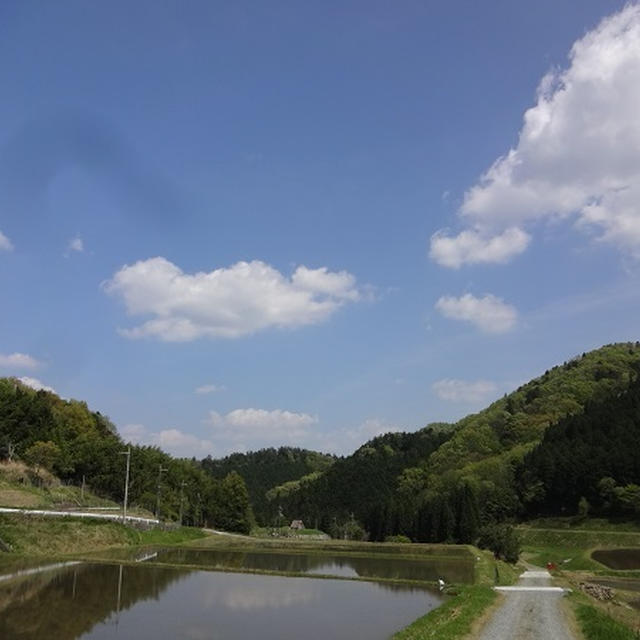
161	470
126	483
181	499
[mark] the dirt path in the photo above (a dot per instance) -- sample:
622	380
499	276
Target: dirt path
531	611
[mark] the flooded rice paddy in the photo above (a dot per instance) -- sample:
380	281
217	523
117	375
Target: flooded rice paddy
142	599
618	559
451	569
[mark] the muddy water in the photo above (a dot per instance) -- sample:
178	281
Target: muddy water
618	558
99	601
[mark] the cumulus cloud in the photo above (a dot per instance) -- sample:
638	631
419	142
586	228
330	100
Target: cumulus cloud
18	361
5	243
173	441
227	302
256	428
489	313
577	156
34	383
473	246
209	388
464	391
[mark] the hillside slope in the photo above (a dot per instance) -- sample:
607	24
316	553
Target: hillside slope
267	468
66	438
469	478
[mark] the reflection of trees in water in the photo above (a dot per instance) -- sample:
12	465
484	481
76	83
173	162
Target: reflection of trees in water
66	603
451	570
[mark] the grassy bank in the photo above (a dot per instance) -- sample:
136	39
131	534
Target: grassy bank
460	615
305	545
29	535
596	624
569	544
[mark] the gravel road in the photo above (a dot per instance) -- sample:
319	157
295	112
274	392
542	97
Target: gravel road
529	615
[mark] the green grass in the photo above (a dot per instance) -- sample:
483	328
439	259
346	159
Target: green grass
454	619
595	624
31	535
458	615
588	524
175	536
565	540
285	532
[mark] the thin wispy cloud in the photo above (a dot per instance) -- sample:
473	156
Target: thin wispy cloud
464	391
18	361
489	313
5	243
209	388
174	441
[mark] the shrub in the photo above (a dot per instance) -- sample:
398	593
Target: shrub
399	538
502	539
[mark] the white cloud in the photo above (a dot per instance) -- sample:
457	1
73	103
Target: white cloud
578	153
34	383
490	314
5	243
465	391
173	441
257	428
18	361
209	388
369	429
473	246
227	302
76	244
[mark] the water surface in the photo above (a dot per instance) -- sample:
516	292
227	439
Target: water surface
100	601
430	568
618	558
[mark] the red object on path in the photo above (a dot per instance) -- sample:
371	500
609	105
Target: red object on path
551	566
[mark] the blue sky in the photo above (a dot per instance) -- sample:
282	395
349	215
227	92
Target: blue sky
237	225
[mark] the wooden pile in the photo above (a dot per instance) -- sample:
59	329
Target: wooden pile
597	591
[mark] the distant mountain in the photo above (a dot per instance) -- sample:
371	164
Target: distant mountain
267	468
443	482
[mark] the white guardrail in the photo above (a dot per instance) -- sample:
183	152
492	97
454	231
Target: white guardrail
77	514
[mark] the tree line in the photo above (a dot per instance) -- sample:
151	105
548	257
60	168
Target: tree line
79	445
564	443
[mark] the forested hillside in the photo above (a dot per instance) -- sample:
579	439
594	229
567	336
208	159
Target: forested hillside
72	442
466	475
589	462
564	443
267	468
360	485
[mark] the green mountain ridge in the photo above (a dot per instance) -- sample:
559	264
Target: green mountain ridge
467	475
442	482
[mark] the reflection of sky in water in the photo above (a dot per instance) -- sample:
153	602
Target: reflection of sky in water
329	568
251	597
111	602
458	570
